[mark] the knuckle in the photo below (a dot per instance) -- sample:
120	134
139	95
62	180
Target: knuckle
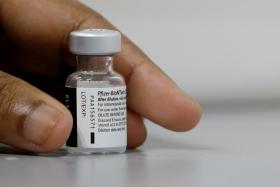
9	94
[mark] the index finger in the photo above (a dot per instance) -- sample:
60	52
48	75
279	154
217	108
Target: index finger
151	93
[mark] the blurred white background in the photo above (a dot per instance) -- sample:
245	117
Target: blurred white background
219	51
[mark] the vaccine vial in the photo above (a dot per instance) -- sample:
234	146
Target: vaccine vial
96	94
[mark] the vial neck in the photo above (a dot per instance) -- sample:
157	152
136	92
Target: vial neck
95	64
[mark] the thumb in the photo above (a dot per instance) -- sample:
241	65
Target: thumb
29	118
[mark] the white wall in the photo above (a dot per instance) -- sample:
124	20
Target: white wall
218	50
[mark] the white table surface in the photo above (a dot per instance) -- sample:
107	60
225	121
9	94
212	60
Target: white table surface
231	147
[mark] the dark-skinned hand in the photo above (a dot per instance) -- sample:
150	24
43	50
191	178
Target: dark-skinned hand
35	62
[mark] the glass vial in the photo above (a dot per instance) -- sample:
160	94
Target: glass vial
96	94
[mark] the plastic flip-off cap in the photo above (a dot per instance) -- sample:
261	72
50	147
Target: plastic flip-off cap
95	42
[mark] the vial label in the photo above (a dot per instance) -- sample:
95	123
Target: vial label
99	117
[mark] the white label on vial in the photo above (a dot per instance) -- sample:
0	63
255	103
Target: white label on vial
101	117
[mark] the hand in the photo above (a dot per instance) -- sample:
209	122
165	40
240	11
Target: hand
34	48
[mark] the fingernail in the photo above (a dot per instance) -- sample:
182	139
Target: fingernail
38	125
